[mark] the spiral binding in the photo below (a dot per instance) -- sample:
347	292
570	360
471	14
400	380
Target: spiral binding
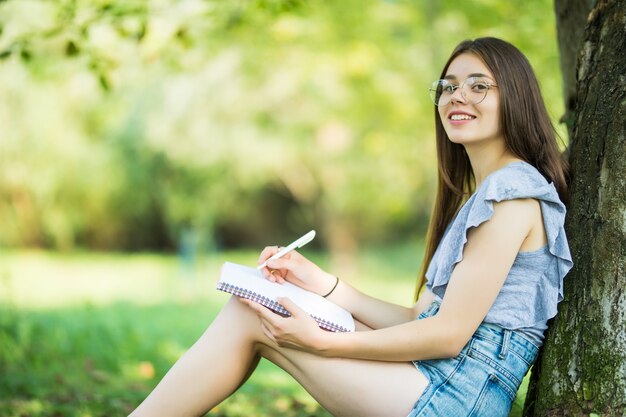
273	305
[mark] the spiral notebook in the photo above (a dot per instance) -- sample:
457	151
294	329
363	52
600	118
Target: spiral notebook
249	283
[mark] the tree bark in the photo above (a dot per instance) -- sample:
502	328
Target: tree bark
571	20
582	368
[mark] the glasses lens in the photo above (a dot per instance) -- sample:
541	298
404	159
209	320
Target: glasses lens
475	90
441	91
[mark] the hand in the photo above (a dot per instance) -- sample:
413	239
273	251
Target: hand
297	270
299	331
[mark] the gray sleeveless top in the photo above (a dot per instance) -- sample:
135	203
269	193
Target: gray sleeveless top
534	285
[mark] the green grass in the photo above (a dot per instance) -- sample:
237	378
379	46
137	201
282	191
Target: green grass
91	334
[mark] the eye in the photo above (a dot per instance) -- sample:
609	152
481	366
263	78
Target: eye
479	87
449	88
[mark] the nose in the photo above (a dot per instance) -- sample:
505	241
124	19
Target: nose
457	95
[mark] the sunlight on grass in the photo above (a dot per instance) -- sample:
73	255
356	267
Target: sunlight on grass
43	280
100	330
35	279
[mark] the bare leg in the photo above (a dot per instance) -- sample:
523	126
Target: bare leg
219	362
212	369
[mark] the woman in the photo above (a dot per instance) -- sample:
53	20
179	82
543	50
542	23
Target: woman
495	261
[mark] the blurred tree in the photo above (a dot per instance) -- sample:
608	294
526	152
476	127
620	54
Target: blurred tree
582	370
126	123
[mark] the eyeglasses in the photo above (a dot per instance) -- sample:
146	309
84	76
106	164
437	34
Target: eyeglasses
473	89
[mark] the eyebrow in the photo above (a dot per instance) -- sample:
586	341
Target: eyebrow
474	74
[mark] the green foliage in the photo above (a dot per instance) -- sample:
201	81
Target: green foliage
128	123
102	361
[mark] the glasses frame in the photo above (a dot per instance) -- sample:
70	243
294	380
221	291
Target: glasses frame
433	91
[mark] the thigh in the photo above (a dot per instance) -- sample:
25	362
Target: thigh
351	387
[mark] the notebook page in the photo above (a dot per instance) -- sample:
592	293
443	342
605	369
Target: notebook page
315	305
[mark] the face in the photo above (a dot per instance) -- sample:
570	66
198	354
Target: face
467	123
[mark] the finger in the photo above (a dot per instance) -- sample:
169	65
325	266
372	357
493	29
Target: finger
291	307
267	332
267	252
284	264
270	251
294	254
275	276
251	304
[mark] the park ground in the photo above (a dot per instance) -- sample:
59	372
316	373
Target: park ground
89	334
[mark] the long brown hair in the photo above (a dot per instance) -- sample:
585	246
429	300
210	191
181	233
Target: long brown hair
526	127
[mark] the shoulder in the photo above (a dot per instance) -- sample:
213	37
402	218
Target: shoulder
516	190
512	216
519	206
519	212
521	180
516	180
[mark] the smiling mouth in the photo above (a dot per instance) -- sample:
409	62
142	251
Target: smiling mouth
462	117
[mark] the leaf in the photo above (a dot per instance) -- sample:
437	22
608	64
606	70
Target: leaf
142	30
26	55
104	82
71	49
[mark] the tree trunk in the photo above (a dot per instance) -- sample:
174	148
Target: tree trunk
582	369
571	20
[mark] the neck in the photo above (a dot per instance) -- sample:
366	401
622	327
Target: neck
487	158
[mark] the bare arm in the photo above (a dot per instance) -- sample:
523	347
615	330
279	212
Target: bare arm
475	282
371	311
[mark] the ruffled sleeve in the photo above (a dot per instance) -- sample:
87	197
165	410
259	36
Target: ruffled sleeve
517	180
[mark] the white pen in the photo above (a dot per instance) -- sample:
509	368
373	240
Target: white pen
295	245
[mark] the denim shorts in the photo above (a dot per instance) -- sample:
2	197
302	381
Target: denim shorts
482	380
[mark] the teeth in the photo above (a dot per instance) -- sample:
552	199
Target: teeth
461	117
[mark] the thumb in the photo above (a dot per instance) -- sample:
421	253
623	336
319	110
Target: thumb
291	307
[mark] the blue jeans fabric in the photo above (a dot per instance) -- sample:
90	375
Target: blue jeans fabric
481	381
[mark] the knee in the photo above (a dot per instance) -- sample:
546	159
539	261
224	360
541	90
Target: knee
236	317
241	319
235	307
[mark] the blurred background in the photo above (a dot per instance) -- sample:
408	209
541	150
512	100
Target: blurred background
144	142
